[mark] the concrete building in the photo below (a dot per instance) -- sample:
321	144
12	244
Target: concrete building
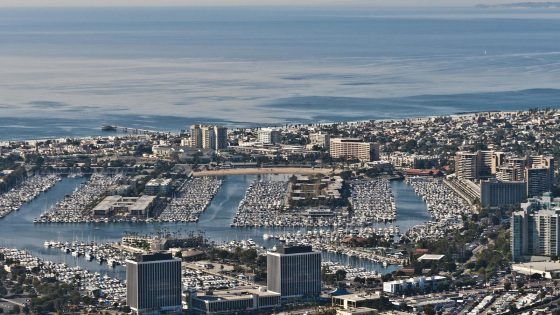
158	186
495	193
208	137
269	136
413	284
232	301
544	162
221	137
125	206
498	159
518	164
196	136
154	284
320	139
537	181
356	300
466	165
547	269
485	160
354	148
535	230
294	271
357	311
508	174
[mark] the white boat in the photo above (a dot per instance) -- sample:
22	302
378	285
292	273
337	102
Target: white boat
111	262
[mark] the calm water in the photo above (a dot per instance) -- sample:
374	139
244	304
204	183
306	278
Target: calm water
18	230
64	72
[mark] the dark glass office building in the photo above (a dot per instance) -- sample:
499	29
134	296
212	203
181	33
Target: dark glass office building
294	271
154	284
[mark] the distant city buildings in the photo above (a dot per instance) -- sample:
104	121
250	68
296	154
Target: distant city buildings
320	139
154	284
535	230
269	136
504	179
414	161
294	271
209	137
354	148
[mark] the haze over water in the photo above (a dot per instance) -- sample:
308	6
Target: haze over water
64	72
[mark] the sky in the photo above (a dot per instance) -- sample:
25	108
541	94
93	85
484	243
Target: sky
42	3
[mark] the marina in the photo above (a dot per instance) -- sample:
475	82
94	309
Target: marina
18	231
372	201
446	207
76	208
264	205
193	197
110	289
24	192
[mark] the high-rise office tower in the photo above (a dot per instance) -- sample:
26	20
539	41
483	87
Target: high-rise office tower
153	284
221	137
294	271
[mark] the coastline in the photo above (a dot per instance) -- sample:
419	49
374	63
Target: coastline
461	114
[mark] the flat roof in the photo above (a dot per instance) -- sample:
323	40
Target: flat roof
159	181
357	297
236	294
430	257
132	203
538	266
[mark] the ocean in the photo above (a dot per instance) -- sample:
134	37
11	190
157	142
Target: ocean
66	71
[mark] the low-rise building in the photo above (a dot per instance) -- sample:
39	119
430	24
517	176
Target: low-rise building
356	300
413	284
546	269
232	301
119	205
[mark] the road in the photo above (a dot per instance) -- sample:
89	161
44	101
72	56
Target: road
267	170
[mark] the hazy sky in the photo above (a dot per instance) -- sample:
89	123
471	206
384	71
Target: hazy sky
19	3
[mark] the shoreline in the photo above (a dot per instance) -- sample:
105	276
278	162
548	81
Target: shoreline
460	114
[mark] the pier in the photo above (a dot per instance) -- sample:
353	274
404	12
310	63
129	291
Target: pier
133	130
